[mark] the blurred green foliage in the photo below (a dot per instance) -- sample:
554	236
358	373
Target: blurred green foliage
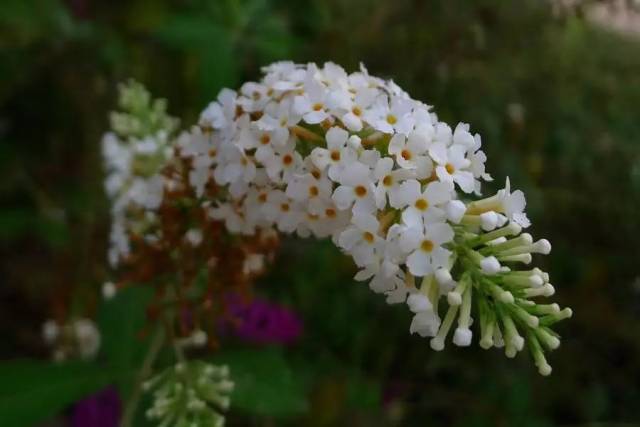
555	99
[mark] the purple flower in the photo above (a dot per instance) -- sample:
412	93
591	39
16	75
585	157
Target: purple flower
262	322
98	410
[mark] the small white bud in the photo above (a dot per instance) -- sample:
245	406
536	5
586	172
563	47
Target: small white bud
462	337
486	342
497	241
549	290
437	343
514	228
535	281
517	342
454	298
490	265
108	290
507	297
488	220
544	369
355	142
542	246
502	220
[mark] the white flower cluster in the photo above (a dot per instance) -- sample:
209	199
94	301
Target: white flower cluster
134	154
78	338
316	151
190	394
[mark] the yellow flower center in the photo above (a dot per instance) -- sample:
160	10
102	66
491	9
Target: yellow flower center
391	119
427	245
422	204
450	169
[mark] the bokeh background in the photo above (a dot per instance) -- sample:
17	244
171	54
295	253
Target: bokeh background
552	87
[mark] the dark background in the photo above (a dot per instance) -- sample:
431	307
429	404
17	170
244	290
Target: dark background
555	97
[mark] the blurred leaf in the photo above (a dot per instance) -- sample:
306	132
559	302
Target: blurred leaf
265	383
31	391
14	223
212	47
191	31
363	393
121	320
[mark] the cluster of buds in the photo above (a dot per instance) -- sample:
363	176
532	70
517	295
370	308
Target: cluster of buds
190	394
318	152
78	338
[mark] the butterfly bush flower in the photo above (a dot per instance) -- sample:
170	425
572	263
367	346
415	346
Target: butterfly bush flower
316	151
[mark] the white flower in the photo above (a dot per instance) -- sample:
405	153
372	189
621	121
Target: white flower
424	206
384	275
425	247
513	205
220	113
337	155
281	163
312	105
315	192
389	182
390	118
410	152
283	211
425	323
237	166
356	189
361	239
452	165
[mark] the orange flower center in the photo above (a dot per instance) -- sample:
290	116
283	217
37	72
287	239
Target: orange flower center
406	154
361	191
313	191
335	155
387	181
368	237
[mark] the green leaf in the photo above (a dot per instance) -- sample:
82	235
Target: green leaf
121	321
265	383
32	391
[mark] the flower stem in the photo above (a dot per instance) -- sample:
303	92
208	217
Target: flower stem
145	370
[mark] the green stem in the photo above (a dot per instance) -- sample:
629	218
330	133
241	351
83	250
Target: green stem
144	372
